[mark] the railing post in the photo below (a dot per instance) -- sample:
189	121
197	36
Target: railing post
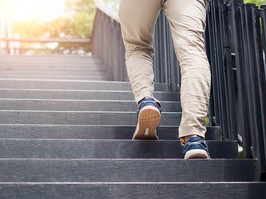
218	46
239	61
229	73
259	77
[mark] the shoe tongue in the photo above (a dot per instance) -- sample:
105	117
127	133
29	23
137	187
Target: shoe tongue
193	139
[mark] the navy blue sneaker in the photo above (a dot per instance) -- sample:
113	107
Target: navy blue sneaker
149	116
196	148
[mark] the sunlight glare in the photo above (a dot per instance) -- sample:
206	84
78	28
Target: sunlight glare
27	10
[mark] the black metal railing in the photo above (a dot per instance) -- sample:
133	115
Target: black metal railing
235	44
236	48
107	43
166	67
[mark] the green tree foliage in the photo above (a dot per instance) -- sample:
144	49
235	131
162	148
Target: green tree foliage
78	23
257	2
30	29
81	18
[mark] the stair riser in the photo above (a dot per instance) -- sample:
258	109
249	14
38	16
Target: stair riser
133	191
90	132
80	118
74	149
105	170
81	95
60	105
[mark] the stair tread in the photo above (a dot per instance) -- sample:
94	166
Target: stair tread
137	190
71	84
79	105
126	170
80	94
81	148
80	117
90	131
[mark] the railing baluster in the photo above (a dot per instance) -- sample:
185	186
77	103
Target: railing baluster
259	89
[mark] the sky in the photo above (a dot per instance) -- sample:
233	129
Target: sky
25	10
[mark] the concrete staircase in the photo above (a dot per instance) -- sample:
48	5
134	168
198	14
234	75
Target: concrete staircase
65	132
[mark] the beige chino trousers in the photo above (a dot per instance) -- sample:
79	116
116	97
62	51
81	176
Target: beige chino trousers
187	22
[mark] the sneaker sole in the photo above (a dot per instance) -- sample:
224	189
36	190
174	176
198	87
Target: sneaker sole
196	154
148	120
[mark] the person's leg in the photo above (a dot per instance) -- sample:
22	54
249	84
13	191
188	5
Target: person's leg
187	22
137	19
137	23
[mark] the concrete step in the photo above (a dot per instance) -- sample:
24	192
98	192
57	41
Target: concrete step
79	149
79	105
80	94
48	65
89	132
127	170
71	84
132	190
98	77
44	73
64	136
49	60
80	117
53	69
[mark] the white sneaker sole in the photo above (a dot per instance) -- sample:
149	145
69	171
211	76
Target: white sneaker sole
196	154
148	120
